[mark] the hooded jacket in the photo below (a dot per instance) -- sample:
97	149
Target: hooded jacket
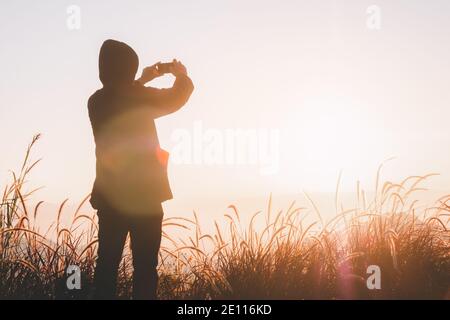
131	168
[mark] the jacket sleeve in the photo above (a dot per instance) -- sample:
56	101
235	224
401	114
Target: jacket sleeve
166	101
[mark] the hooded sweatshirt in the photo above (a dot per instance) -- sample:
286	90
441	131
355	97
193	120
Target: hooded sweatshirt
131	168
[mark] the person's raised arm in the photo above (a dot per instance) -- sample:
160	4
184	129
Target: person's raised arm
166	101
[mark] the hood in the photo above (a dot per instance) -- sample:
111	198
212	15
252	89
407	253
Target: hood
118	63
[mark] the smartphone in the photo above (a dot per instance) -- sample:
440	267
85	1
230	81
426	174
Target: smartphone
165	67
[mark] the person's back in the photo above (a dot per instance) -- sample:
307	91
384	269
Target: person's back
131	177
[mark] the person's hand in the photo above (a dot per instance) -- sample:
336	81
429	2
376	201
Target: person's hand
178	68
149	73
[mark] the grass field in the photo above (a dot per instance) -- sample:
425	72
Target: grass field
289	258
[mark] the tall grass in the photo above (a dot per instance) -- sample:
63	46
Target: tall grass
289	258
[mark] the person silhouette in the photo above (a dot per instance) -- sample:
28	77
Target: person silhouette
131	169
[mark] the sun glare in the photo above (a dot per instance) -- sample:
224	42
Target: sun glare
331	133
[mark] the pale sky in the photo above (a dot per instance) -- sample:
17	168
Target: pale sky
340	95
